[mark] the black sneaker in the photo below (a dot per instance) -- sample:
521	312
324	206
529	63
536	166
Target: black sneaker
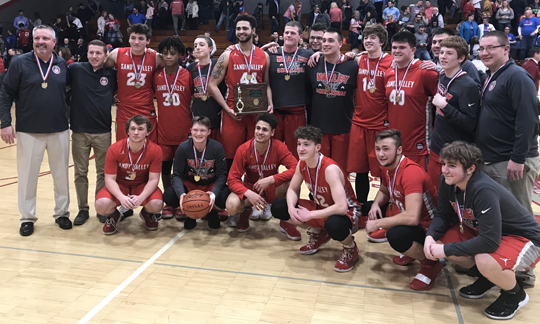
81	217
101	218
190	223
478	289
126	214
158	216
27	228
213	220
64	223
471	272
506	306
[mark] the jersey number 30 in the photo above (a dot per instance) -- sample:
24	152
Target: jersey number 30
175	97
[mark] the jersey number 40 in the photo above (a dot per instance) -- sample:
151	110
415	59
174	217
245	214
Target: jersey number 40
392	97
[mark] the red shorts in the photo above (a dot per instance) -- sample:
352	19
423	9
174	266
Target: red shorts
336	147
236	132
121	130
434	168
168	151
104	193
289	120
319	222
269	194
421	160
214	134
362	143
514	253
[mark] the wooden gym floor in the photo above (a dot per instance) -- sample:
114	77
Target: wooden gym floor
200	276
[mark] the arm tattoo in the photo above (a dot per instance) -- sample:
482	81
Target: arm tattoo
216	73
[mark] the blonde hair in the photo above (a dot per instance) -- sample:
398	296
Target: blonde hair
333	5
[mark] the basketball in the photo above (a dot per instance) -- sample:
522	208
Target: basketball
196	204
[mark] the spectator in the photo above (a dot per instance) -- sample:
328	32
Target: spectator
85	15
65	53
511	37
214	47
469	28
504	15
258	14
192	10
20	19
378	8
23	36
188	57
116	7
178	13
488	9
421	44
486	26
290	13
519	9
528	30
468	7
224	15
69	14
112	29
257	41
142	7
428	9
11	39
101	23
76	27
474	46
136	18
56	25
277	39
335	16
216	5
205	7
95	7
433	24
149	13
477	4
273	13
37	20
535	6
313	16
447	4
346	13
391	10
405	19
354	30
416	9
418	21
365	7
391	28
531	66
436	15
11	53
314	3
324	19
81	51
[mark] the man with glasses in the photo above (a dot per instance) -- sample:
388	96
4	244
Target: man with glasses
316	33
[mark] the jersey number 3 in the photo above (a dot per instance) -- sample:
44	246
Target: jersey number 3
131	79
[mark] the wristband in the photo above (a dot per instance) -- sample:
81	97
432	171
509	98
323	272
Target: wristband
213	196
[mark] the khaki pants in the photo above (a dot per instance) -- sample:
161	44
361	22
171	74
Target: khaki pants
30	150
81	144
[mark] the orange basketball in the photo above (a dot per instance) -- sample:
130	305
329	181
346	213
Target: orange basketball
196	204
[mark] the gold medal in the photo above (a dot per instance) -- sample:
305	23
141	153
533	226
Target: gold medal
372	89
204	97
132	175
44	85
196	178
398	99
137	85
327	89
170	100
461	228
248	77
287	77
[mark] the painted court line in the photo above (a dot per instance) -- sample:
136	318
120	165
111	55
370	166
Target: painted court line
126	282
453	293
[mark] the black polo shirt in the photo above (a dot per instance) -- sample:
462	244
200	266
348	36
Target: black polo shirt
92	95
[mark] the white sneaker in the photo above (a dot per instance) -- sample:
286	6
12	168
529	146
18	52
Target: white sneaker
255	214
266	213
233	220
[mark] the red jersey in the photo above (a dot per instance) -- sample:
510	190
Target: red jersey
135	101
324	198
410	178
371	109
411	114
128	174
175	117
23	36
237	70
245	163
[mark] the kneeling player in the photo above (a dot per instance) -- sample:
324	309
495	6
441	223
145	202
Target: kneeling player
259	159
335	211
199	164
132	168
411	195
482	225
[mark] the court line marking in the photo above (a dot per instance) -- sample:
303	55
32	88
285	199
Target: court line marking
453	293
132	277
70	254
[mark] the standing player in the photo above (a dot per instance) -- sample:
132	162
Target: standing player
316	33
457	102
173	87
334	212
409	90
333	82
411	199
258	161
136	66
246	64
199	164
371	109
132	169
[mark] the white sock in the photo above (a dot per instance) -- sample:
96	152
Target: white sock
350	246
315	230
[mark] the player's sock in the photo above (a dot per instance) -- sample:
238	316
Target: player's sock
362	187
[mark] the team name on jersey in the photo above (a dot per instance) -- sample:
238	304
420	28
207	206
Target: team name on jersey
337	77
256	67
292	70
301	59
404	84
268	167
136	167
198	81
319	188
206	164
176	87
365	72
145	68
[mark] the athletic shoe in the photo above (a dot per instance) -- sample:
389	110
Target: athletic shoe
403	260
179	215
471	272
346	260
111	224
316	240
477	289
190	223
223	215
506	306
64	223
255	214
157	216
27	228
150	221
379	236
167	212
125	212
362	220
425	279
213	220
233	220
266	214
290	230
81	217
243	221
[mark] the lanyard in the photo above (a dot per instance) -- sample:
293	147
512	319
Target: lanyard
457	75
398	89
137	73
372	80
265	157
204	83
329	79
170	89
488	80
245	59
287	68
314	188
198	164
460	212
44	76
134	166
392	186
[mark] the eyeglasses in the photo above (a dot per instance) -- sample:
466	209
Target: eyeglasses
489	48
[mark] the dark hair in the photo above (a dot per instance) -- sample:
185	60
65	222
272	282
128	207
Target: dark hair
297	25
249	18
139	29
379	31
139	120
66	53
207	39
317	27
405	36
205	121
169	43
390	133
470	14
268	118
97	42
310	133
534	50
337	31
20	10
403	8
501	37
464	153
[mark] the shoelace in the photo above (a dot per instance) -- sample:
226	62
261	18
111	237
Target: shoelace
111	222
345	256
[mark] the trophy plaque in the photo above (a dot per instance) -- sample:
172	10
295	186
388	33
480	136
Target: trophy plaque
250	99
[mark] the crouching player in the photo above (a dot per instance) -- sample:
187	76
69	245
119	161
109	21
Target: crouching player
335	211
199	164
479	224
132	169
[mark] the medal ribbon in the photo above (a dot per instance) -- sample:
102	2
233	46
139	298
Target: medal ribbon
198	164
245	59
134	166
265	157
287	68
460	212
203	83
170	89
44	77
391	185
328	79
314	188
402	79
457	75
138	73
488	80
372	80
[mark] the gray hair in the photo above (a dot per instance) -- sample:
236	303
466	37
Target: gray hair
45	27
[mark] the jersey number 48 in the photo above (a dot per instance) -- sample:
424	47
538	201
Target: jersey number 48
244	79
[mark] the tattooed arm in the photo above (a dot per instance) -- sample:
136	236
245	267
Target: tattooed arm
218	74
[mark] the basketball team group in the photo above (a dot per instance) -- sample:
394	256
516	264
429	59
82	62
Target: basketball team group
456	152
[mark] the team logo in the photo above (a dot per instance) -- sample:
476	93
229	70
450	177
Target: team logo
104	81
492	85
419	146
56	69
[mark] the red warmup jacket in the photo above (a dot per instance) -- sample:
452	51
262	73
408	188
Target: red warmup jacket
532	67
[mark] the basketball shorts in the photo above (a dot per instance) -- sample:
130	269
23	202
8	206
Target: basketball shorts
319	222
514	253
362	147
121	130
168	151
214	134
289	120
434	168
269	194
104	193
235	133
421	160
336	147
